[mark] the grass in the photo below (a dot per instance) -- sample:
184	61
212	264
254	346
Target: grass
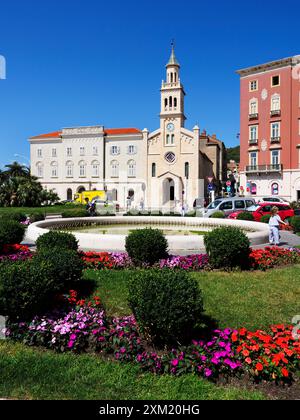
41	375
32	210
254	300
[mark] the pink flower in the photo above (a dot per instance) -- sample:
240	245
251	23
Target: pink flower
175	363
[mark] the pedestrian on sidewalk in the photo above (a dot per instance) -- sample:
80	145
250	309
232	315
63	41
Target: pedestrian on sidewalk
274	224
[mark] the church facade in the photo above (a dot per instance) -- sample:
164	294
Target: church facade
160	170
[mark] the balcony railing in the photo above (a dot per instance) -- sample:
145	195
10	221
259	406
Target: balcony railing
275	140
253	142
253	117
276	113
264	169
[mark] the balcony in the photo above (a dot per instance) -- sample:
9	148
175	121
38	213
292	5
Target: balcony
275	140
253	142
253	117
276	113
264	169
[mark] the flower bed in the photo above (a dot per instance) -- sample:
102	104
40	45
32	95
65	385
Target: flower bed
263	259
15	253
84	327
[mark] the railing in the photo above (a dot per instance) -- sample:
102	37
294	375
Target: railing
276	113
264	168
275	140
253	142
253	117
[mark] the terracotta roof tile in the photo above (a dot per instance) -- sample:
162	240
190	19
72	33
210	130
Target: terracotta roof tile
109	132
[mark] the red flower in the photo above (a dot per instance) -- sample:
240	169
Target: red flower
259	367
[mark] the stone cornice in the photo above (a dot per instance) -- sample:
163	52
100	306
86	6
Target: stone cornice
291	61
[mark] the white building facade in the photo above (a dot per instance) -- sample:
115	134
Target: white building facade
163	169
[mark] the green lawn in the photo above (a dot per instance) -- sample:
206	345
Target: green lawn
32	210
249	299
31	374
254	300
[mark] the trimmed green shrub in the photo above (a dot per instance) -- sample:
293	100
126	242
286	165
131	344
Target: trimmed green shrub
295	223
65	266
147	246
265	219
166	304
57	240
36	217
26	289
227	248
246	215
218	215
13	216
69	214
11	232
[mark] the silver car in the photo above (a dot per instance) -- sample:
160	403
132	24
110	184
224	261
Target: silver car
228	206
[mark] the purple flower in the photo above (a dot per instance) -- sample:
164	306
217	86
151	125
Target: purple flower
175	362
208	373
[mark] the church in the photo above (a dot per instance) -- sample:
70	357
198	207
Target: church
162	170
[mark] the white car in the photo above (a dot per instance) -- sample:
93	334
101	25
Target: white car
272	200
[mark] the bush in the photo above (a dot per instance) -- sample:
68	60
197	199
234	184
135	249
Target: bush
65	266
36	217
69	214
265	219
11	232
167	304
57	240
295	223
17	217
146	246
246	215
26	289
227	248
218	215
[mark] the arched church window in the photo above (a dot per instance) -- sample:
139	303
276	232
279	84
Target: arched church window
171	77
175	103
166	103
170	102
153	170
187	170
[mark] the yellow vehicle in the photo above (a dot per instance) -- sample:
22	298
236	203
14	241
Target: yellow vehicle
80	198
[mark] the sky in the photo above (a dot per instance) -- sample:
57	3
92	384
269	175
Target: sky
88	62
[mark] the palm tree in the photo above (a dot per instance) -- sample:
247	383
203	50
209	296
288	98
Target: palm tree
15	169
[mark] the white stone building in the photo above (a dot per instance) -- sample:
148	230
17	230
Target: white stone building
162	169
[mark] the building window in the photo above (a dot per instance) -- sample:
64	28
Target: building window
187	170
69	171
115	151
40	170
54	170
95	151
132	169
132	150
82	151
114	169
275	130
39	153
69	195
253	85
69	152
166	103
275	157
253	107
82	169
253	131
54	153
253	159
153	170
275	81
275	103
175	103
115	195
95	169
170	157
275	189
170	102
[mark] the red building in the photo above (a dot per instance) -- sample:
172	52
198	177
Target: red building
270	129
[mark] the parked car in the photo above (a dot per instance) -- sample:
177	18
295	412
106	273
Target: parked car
228	206
275	200
264	209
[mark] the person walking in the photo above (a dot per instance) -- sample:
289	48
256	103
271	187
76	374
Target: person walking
274	224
